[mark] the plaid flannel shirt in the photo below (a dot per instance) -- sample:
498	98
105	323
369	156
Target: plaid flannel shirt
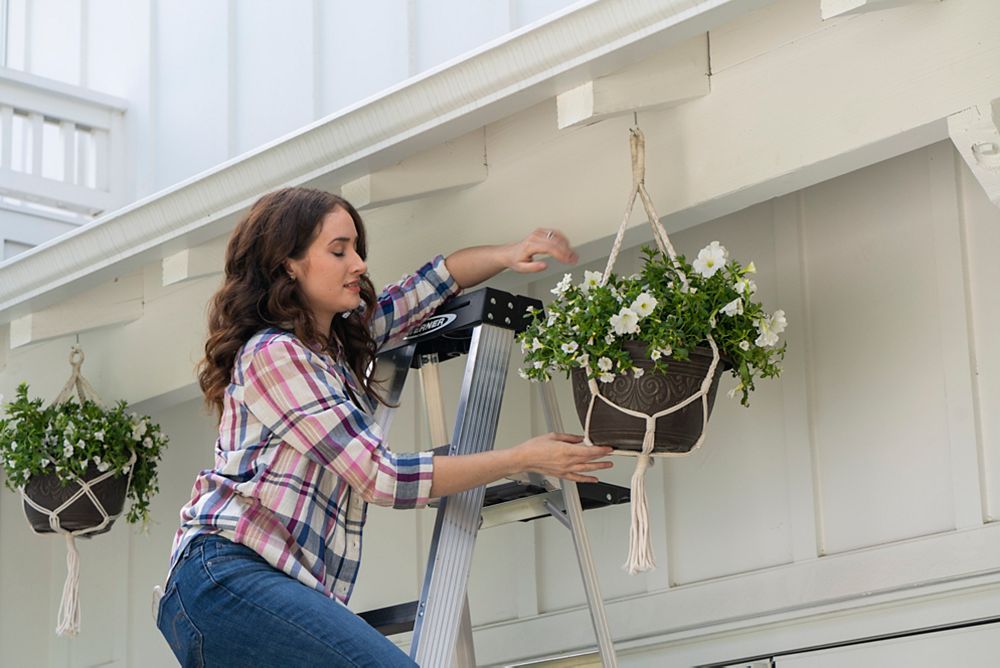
299	455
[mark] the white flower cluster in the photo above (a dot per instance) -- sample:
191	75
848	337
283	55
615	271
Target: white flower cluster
626	321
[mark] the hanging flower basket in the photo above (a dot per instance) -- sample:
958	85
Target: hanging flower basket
646	352
75	509
74	463
649	393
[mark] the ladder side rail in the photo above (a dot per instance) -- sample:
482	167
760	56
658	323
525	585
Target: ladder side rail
430	382
574	511
457	522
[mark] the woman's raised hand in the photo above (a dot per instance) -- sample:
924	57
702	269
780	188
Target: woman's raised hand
543	241
563	456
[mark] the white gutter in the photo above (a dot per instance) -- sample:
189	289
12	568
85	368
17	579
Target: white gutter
499	79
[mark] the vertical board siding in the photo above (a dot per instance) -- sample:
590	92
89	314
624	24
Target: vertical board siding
876	346
727	503
52	24
363	48
981	227
273	70
192	112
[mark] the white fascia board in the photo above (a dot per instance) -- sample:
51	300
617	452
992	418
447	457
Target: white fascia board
511	74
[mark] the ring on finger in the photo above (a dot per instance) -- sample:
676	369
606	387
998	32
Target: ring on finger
549	234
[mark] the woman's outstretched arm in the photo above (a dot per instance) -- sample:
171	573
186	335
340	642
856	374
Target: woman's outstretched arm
559	455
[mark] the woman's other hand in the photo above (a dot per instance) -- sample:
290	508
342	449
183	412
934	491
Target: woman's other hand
563	456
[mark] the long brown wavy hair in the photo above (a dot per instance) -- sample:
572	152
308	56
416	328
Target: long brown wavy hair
257	292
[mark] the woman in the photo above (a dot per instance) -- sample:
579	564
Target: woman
269	546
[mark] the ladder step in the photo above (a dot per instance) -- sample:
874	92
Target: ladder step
392	619
507	502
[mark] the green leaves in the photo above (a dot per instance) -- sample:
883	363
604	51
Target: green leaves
66	439
671	307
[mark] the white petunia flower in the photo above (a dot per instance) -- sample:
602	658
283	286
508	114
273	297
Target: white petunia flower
539	365
744	345
644	304
609	339
591	279
536	344
80	444
668	351
625	322
778	322
736	390
750	268
604	364
125	469
638	372
99	435
563	285
570	348
606	377
583	360
769	328
68	450
45	462
710	259
655	355
522	373
147	442
734	307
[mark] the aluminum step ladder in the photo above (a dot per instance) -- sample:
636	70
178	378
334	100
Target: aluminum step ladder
481	325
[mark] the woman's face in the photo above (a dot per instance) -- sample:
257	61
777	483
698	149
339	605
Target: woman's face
328	272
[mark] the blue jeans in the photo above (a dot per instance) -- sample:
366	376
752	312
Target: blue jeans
225	606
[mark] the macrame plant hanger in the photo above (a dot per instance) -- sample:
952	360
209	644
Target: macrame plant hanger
640	554
69	607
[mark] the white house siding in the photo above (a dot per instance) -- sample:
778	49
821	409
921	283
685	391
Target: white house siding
857	456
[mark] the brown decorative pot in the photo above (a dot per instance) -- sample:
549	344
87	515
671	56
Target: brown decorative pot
49	493
651	393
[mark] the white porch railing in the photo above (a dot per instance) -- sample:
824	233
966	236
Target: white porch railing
61	146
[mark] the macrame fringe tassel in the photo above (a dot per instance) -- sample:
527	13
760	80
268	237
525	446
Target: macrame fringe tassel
640	548
69	607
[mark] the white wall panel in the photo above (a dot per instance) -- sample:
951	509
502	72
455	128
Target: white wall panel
448	28
191	70
982	243
119	62
727	503
275	56
17	36
363	48
880	409
25	577
54	33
